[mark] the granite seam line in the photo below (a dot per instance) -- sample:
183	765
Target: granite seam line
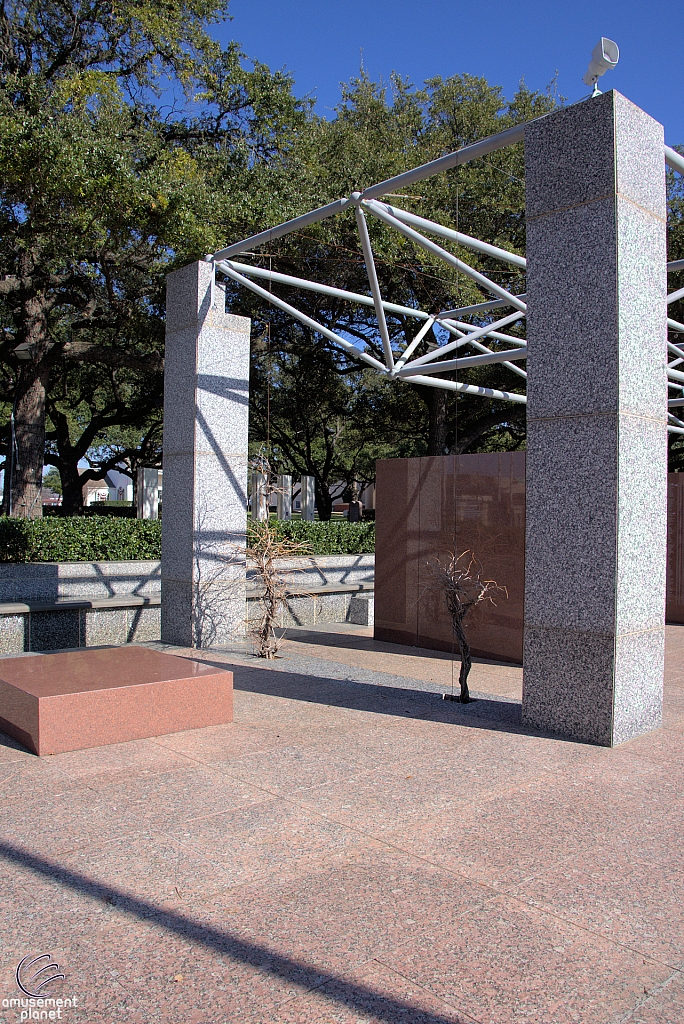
597	199
154	600
656	990
567	631
615	414
594	932
441	998
546	911
288	1000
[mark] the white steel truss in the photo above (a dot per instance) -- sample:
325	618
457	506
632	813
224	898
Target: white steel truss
425	369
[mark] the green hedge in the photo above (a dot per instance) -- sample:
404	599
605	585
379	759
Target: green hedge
334	538
105	539
79	539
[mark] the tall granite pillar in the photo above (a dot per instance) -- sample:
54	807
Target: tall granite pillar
259	497
308	498
147	496
284	497
596	422
206	400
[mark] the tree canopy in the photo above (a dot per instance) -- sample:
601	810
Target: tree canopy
119	126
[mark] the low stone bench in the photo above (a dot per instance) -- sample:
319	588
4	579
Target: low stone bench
91	622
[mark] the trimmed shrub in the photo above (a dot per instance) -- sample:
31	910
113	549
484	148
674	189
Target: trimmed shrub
122	509
79	539
334	538
112	539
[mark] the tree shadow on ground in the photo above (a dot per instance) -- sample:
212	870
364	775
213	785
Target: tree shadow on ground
486	711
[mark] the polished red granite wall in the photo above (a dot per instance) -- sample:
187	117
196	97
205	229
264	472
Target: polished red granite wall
674	609
426	508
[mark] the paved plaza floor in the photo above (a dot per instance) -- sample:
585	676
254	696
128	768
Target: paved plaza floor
353	849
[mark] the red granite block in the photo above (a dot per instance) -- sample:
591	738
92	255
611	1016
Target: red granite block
90	698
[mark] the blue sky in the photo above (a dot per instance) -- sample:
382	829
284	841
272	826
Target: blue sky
320	42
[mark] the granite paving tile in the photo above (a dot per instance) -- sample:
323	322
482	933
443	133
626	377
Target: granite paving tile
92	1003
660	745
11	750
630	890
377	740
59	819
382	801
252	841
172	968
289	770
136	755
664	1004
167	799
219	743
339	915
503	839
510	963
263	710
374	994
31	777
148	865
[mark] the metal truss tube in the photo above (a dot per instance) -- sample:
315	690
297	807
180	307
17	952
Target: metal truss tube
521	342
374	286
464	339
674	160
325	289
675	403
675	296
675	375
678	423
481	307
675	265
675	430
510	366
322	213
481	332
457	364
467	389
302	317
410	348
380	212
456	236
444	163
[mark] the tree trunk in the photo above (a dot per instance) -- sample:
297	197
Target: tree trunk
323	502
67	464
437	402
26	471
23	495
72	489
466	660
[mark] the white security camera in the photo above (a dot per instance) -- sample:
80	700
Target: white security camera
604	56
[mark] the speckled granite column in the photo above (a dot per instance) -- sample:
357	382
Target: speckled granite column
206	400
596	416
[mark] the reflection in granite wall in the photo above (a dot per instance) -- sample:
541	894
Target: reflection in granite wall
674	601
428	507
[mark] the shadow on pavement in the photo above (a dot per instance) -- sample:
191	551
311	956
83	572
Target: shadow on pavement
337	989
